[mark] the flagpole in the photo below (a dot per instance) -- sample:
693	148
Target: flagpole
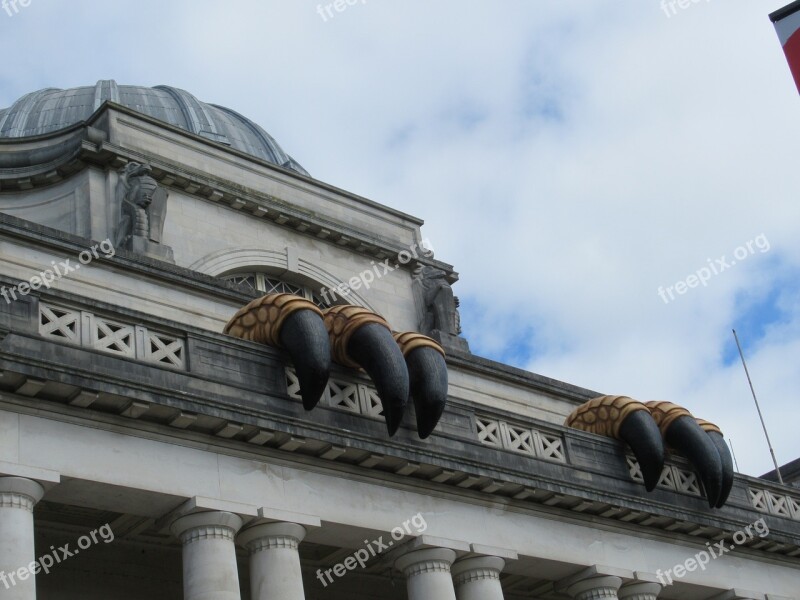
758	408
736	462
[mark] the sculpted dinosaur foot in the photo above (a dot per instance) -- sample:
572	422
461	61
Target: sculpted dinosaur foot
361	338
296	325
681	431
427	373
718	439
628	420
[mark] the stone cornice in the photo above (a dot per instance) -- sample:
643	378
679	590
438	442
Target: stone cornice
489	368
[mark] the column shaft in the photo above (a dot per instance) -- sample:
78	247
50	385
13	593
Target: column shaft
209	555
17	553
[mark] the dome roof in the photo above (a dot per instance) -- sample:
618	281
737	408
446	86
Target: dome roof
53	109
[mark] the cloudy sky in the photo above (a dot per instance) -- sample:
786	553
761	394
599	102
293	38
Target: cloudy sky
570	158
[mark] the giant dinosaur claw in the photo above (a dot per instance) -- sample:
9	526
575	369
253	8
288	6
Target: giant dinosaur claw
427	371
628	420
361	338
641	433
306	340
715	433
681	431
294	324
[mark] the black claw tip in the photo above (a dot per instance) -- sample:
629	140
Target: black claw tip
427	372
641	433
687	437
305	338
373	347
727	467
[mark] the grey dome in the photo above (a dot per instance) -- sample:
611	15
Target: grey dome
53	109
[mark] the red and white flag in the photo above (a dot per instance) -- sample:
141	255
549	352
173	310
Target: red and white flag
787	24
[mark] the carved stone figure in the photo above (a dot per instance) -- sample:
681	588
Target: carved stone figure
440	312
143	210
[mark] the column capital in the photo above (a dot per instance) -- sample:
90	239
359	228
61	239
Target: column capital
477	568
268	536
18	492
594	582
429	560
206	525
639	590
595	588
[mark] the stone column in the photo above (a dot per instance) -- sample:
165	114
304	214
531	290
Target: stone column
274	560
478	578
638	590
595	588
18	496
209	555
427	573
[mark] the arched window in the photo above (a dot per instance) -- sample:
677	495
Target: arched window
264	284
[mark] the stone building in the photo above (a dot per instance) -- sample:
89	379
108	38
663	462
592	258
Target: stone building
145	454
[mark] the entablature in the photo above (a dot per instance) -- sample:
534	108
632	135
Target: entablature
232	392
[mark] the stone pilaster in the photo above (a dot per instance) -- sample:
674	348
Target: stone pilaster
274	560
18	496
478	578
427	573
209	555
